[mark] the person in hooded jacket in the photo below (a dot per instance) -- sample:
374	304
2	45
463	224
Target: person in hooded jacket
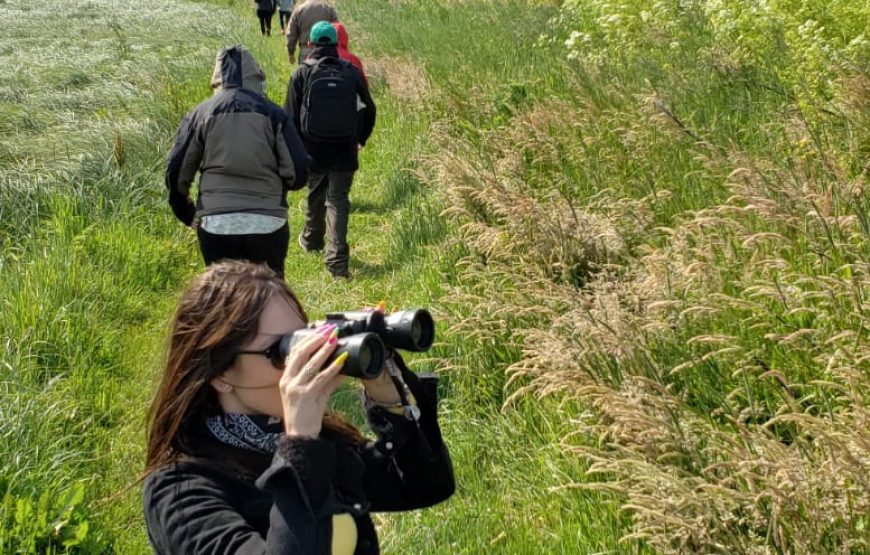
344	53
334	163
248	154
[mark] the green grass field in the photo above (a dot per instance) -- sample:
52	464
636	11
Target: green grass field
644	231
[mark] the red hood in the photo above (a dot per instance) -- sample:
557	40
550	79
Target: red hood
342	35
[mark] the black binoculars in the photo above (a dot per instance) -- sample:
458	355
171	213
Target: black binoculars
366	336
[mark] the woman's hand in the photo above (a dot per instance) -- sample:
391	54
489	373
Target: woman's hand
382	390
305	388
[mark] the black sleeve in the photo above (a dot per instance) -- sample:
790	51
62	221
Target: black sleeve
408	467
293	102
189	512
293	159
300	481
301	160
181	168
369	113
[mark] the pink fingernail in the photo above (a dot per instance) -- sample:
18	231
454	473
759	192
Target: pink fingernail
333	337
328	329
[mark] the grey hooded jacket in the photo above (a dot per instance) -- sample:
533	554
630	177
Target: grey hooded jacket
246	149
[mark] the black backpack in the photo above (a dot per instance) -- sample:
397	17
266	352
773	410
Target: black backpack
329	105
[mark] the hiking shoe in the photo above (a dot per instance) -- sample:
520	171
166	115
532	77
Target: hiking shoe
341	276
303	247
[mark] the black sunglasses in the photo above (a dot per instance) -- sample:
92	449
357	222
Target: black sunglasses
272	352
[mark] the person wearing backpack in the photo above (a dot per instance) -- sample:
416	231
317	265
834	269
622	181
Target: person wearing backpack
305	14
248	154
333	110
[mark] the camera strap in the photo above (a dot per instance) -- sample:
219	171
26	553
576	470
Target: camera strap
410	410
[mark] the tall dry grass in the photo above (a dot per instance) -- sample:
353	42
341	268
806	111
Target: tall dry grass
721	352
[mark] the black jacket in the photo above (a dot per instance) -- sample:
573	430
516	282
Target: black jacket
330	156
228	500
266	5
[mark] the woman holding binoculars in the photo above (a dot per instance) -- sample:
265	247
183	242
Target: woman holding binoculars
243	456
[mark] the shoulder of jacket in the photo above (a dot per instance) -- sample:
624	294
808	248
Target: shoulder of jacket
190	468
201	110
277	113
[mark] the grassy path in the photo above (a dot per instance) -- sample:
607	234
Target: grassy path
433	67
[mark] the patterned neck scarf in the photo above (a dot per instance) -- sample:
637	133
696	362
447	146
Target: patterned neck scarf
255	432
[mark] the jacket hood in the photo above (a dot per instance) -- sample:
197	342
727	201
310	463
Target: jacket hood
236	68
324	51
342	35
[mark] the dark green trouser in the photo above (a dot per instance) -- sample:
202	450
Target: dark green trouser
328	212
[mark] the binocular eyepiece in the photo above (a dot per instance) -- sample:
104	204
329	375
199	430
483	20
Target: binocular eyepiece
366	336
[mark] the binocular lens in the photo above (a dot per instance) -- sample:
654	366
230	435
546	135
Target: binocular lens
366	355
416	332
412	330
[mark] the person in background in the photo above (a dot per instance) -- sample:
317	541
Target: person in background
265	13
335	122
305	14
249	155
284	9
242	455
343	51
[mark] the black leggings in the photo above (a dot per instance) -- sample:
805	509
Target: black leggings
270	248
283	17
265	21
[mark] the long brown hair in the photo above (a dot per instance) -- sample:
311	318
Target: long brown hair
217	314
